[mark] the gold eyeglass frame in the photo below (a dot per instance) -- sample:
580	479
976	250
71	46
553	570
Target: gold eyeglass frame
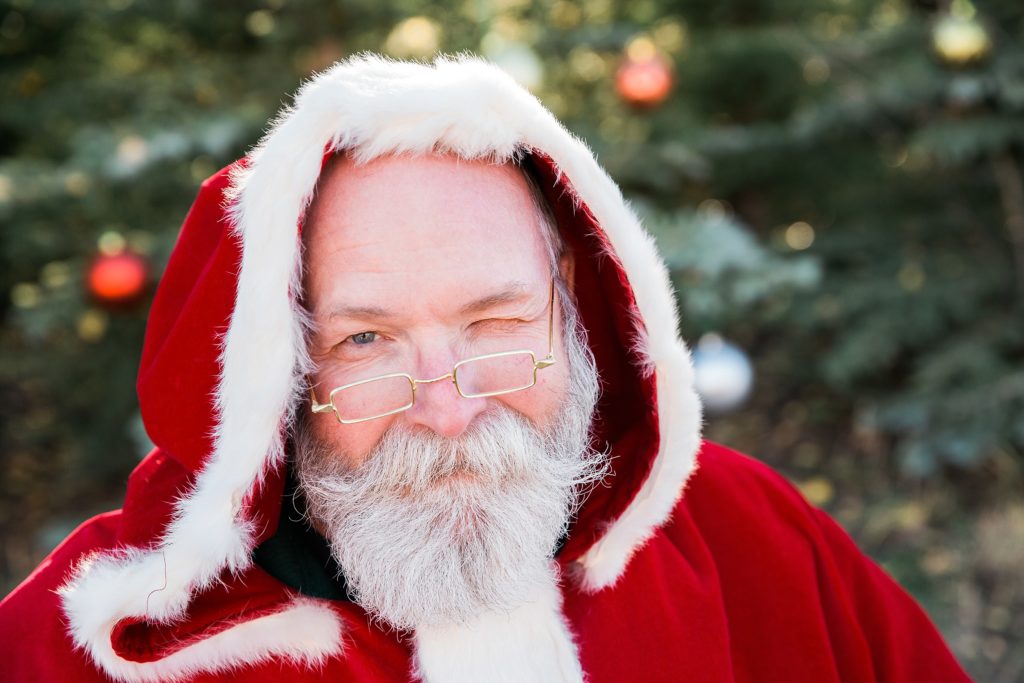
545	362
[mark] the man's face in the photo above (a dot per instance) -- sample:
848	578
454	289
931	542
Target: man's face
410	262
453	507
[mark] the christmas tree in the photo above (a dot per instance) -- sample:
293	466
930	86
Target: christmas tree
836	185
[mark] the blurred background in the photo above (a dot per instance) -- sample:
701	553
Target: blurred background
836	185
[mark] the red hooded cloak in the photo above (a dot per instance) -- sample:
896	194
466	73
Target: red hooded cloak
695	564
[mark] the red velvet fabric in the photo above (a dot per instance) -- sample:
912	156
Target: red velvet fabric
190	313
746	583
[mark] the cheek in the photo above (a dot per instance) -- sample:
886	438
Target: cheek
541	402
352	442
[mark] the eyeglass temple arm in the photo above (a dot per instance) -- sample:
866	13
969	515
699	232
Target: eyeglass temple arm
319	407
549	360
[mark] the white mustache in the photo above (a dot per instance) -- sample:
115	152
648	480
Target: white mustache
413	460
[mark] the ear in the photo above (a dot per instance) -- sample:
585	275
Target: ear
567	268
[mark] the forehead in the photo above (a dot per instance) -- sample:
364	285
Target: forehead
415	227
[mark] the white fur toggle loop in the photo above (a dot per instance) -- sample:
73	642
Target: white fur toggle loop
529	643
303	633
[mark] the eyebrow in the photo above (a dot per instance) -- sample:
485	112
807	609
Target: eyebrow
515	291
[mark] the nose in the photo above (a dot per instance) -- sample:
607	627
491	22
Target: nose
440	408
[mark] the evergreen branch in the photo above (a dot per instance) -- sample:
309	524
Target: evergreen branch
1011	194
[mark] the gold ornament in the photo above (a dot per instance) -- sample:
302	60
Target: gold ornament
414	38
960	40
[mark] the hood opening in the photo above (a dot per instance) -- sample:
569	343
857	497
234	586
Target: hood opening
178	360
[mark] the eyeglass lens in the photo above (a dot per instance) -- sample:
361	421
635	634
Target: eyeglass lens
501	373
371	399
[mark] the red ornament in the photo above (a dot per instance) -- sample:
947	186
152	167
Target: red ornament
118	280
644	82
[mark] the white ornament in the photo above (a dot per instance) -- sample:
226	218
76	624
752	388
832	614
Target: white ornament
724	375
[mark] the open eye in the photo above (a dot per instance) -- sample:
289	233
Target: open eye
362	338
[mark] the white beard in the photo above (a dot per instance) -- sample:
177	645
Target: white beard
434	531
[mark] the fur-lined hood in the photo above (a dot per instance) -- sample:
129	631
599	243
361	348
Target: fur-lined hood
224	360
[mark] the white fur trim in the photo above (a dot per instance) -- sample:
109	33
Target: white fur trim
606	560
530	643
373	107
304	633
